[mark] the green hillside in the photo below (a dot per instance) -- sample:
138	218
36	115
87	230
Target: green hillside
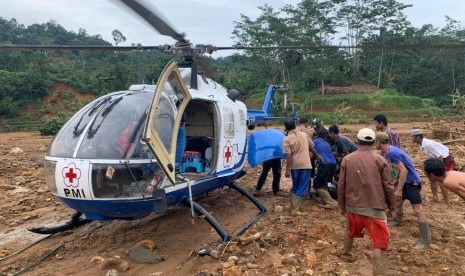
383	50
359	107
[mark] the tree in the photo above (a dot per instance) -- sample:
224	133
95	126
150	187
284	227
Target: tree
118	37
316	24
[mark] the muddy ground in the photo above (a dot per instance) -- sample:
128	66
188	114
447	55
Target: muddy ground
279	244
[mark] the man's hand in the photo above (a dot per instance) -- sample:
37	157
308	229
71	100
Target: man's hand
398	194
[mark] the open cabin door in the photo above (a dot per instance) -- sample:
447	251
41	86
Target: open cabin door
168	104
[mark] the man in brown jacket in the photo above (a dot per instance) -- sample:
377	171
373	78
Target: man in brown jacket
364	189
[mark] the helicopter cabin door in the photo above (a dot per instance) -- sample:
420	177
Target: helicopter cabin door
165	114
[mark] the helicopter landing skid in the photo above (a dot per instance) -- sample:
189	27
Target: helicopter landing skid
74	222
225	236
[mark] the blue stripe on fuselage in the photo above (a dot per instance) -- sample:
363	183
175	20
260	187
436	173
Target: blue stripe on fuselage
137	208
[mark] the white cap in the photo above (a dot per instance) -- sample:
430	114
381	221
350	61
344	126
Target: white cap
366	135
416	132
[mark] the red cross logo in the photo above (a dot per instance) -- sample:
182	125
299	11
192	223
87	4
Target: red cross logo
227	155
71	175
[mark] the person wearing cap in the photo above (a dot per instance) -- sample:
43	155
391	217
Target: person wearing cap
408	187
452	180
297	147
364	189
325	169
317	125
433	149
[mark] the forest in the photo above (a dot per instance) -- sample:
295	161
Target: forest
434	69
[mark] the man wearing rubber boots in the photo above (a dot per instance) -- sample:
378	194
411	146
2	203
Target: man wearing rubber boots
297	147
325	170
408	187
364	188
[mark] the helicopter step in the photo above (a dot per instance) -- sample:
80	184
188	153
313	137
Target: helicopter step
74	222
225	236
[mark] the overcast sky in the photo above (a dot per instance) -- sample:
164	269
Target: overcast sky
204	21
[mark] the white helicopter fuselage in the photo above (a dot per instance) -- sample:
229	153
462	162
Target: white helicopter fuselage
100	166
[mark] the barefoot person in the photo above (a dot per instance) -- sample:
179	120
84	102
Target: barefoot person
408	187
434	149
364	188
452	180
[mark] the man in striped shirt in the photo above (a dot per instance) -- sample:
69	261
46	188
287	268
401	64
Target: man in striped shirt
381	124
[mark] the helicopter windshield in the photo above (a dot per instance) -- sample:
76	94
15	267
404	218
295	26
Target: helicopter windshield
116	128
65	141
114	132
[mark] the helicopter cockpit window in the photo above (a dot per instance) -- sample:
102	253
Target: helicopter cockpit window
165	116
65	141
115	132
133	180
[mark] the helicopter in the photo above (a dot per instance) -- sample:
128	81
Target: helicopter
259	117
132	153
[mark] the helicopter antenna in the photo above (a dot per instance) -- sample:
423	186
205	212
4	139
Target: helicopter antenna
283	76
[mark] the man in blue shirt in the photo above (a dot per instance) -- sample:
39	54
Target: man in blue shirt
325	168
408	187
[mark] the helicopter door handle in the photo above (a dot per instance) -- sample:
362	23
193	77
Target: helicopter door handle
211	96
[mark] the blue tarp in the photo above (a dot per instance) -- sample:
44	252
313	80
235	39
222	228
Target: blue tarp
265	145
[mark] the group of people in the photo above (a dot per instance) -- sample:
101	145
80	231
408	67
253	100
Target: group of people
326	148
368	181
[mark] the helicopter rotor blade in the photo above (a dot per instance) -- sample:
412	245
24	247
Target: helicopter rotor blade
159	24
211	49
364	47
78	48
